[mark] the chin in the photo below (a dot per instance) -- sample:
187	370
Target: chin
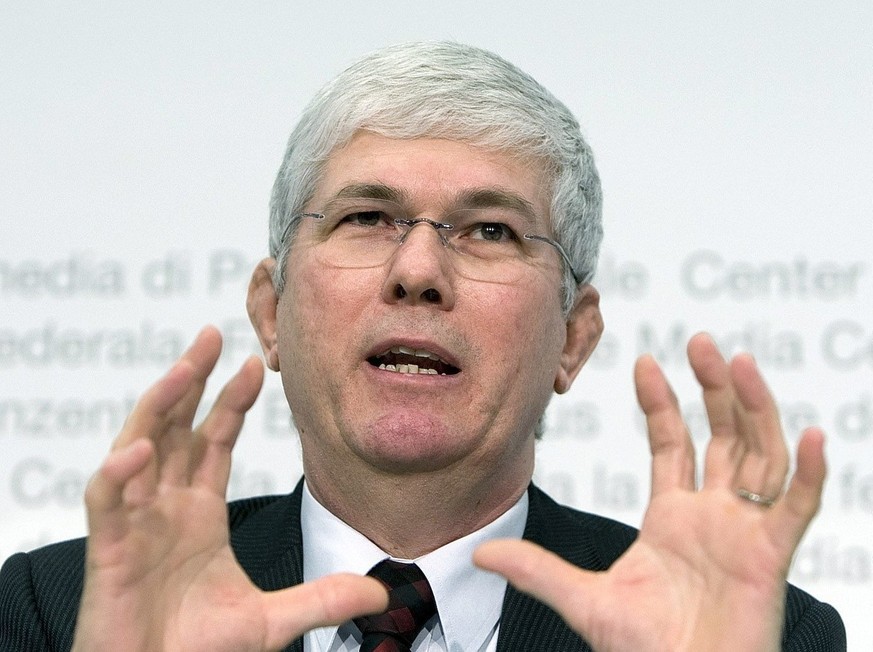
412	442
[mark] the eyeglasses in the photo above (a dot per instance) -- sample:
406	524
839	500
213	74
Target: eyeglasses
491	243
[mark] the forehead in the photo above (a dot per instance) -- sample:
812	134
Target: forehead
431	172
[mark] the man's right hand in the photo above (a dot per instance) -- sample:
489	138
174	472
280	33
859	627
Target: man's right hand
160	573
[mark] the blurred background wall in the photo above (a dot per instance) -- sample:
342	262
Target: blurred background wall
139	144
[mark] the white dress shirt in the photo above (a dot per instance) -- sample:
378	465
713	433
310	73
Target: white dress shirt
468	599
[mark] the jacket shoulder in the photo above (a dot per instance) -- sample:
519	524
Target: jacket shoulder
39	597
40	590
811	625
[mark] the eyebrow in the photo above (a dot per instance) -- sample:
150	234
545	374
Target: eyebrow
371	191
471	198
497	198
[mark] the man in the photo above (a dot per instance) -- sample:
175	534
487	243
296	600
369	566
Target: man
434	229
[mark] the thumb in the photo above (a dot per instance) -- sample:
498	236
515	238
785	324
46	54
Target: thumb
329	600
540	573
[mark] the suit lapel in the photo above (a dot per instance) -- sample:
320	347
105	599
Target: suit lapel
526	623
268	542
269	545
587	541
275	561
529	625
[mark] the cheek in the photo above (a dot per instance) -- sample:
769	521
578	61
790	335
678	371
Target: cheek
524	330
297	319
320	302
317	316
521	334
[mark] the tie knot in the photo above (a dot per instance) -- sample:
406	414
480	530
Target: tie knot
410	606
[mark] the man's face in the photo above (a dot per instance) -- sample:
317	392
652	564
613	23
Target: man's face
502	343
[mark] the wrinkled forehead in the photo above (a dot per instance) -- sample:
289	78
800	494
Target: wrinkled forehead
423	173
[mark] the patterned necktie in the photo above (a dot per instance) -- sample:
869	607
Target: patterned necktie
410	606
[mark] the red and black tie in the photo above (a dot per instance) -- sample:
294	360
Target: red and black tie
410	606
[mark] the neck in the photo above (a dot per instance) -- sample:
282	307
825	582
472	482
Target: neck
411	514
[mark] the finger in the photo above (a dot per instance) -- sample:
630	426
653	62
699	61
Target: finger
669	440
217	435
150	414
726	446
542	574
105	496
146	421
150	411
766	463
330	600
793	514
174	441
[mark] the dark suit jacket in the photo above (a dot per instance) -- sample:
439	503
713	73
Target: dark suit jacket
40	591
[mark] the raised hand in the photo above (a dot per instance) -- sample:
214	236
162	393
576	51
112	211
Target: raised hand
160	573
708	569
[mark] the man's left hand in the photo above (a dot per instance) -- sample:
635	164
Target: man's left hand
708	570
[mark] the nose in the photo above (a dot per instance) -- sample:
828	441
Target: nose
420	271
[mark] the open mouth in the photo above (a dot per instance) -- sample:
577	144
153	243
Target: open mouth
404	360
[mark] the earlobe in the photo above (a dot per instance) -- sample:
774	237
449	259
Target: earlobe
261	305
584	327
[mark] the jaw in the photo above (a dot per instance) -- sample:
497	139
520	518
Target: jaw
404	421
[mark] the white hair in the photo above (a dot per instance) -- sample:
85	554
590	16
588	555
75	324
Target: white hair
457	92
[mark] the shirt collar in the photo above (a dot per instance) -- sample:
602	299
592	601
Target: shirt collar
332	546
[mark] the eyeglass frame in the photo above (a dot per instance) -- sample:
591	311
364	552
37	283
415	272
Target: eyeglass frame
411	223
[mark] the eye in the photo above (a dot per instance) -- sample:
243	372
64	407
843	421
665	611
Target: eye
367	218
493	232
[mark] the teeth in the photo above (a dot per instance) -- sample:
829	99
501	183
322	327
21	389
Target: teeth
418	353
423	370
409	369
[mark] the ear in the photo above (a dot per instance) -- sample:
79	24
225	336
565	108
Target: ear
584	327
261	305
